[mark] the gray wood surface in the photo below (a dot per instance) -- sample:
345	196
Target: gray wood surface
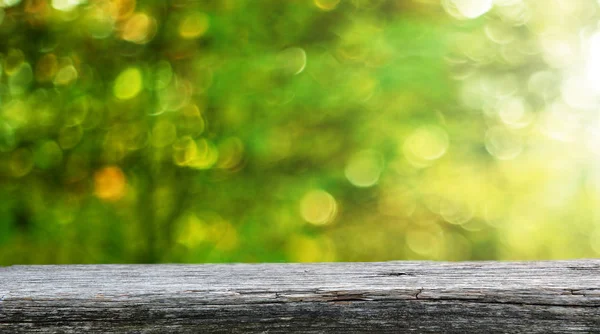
486	297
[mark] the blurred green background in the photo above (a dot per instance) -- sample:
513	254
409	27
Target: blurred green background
298	130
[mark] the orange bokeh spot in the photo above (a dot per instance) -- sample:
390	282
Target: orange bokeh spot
109	183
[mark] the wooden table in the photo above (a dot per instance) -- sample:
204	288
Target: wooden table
394	297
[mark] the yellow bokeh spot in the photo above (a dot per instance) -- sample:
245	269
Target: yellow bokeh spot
128	84
66	5
230	153
224	235
16	113
206	155
208	228
193	232
65	75
190	121
99	23
318	207
425	145
456	212
467	9
140	28
326	5
121	9
307	249
184	151
364	169
193	25
425	242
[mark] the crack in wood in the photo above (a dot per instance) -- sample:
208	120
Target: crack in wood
396	274
584	268
345	297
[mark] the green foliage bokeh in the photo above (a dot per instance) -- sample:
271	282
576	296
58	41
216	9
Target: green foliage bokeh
260	131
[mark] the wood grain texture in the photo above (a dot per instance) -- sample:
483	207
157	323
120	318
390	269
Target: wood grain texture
532	297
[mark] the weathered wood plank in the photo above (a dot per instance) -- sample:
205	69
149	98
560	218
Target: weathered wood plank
533	297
